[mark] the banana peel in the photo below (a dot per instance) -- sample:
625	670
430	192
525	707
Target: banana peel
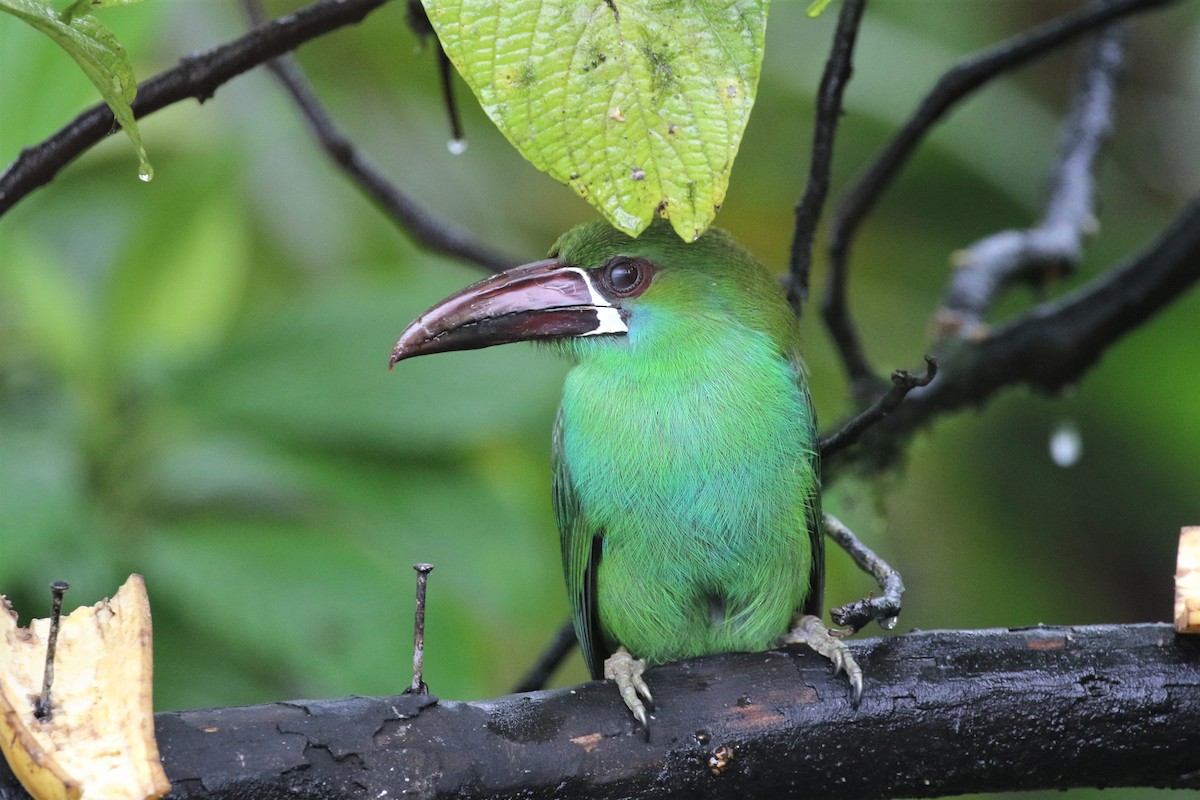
98	739
1187	581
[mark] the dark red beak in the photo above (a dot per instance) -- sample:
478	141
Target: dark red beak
542	300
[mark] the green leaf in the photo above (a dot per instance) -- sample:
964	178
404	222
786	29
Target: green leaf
638	105
98	53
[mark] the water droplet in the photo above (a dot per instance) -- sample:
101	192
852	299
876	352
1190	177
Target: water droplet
457	146
889	623
145	173
1066	444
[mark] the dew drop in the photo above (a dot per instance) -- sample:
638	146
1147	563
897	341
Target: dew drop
1066	444
457	146
145	173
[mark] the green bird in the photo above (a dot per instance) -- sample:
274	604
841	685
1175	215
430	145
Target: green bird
686	472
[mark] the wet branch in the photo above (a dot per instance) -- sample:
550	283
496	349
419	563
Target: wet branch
944	713
1055	247
196	76
956	84
1050	346
404	210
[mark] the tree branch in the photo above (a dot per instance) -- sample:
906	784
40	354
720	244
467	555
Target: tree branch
1051	346
1055	246
945	712
196	76
838	69
404	210
953	86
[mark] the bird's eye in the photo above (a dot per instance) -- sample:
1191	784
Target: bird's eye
627	277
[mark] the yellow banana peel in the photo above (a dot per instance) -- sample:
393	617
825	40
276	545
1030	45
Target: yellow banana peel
98	739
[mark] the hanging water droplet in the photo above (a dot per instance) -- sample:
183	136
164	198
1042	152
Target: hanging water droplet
1066	444
457	146
145	173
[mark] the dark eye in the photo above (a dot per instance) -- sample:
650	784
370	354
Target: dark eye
626	277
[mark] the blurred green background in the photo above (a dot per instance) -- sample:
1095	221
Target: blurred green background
193	379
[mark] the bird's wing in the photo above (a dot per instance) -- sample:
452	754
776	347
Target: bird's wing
582	544
816	573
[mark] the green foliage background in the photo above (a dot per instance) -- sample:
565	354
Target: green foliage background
193	378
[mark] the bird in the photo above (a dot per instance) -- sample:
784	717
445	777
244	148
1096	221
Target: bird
686	472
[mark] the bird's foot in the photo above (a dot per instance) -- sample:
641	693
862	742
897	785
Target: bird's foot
810	630
627	672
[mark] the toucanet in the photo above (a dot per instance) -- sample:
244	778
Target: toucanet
686	465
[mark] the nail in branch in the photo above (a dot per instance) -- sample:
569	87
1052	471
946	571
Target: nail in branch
1055	246
838	69
418	685
41	708
903	382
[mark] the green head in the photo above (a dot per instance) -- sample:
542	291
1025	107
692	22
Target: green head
602	288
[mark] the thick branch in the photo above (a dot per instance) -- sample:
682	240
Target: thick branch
1055	246
956	84
944	712
197	76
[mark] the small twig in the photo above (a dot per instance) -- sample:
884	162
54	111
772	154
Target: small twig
550	660
883	610
903	382
42	708
408	214
418	21
418	685
1055	246
838	69
964	78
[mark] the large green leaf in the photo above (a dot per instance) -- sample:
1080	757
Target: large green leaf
98	53
638	105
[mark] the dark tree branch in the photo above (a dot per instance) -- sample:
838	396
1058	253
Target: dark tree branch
903	382
550	660
1055	246
196	76
1051	346
952	87
945	712
838	69
404	210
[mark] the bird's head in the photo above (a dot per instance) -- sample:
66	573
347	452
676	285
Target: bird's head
600	285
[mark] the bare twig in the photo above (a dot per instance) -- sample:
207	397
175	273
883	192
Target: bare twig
883	610
1055	246
903	382
408	214
953	86
838	69
550	660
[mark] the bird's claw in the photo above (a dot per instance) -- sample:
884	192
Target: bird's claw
627	671
811	631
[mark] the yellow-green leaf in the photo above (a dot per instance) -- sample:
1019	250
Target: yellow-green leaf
638	105
98	53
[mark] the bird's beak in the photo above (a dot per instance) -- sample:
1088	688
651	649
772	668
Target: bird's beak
542	300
